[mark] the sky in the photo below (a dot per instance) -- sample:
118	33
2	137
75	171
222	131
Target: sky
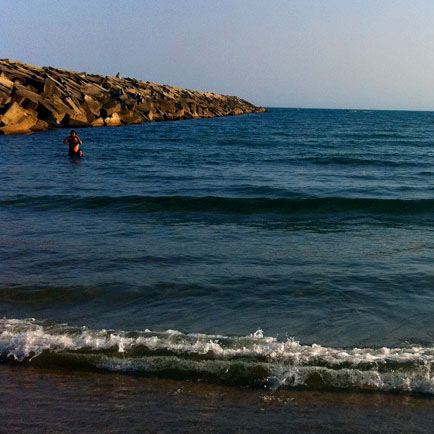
372	54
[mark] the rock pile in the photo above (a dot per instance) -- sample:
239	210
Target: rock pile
35	99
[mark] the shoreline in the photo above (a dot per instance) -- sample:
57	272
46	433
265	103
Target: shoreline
35	399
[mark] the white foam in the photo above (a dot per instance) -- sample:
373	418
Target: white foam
287	363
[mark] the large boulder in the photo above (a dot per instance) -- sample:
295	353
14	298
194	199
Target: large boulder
39	126
236	111
76	120
53	111
129	117
93	89
113	121
91	105
51	88
111	107
97	122
25	97
5	96
6	82
17	120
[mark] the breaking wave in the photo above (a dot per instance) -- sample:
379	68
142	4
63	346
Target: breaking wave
253	361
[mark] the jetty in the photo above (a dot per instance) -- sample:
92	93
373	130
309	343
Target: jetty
38	98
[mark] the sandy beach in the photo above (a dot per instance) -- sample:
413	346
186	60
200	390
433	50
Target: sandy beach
34	400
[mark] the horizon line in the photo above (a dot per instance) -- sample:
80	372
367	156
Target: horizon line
348	109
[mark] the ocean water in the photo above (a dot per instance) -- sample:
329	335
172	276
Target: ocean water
287	249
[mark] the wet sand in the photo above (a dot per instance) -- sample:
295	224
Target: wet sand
34	401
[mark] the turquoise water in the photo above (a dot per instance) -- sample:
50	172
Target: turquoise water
280	245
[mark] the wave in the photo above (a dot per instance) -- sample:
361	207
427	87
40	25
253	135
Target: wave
355	161
253	361
225	205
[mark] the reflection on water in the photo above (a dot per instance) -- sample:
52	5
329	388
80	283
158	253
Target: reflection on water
35	400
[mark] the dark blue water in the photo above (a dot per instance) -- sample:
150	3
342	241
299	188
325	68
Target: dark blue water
312	224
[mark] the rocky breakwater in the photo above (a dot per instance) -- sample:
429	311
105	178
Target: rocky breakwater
35	99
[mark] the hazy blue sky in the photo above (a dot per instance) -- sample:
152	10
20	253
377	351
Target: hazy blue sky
288	53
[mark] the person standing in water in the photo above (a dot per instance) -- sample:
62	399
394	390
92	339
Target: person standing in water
74	143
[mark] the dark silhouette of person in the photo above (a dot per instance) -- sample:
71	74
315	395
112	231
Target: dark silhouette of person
74	143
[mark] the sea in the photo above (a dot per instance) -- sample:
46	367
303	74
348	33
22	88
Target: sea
281	252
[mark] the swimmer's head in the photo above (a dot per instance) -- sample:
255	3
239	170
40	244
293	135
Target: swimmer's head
73	133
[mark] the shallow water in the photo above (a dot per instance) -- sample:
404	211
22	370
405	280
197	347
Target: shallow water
76	402
314	225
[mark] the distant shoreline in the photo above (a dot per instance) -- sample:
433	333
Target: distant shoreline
349	109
